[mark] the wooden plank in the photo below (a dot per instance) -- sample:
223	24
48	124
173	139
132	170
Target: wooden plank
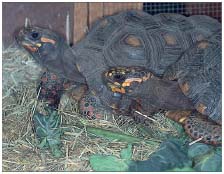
14	14
115	7
95	12
80	21
86	13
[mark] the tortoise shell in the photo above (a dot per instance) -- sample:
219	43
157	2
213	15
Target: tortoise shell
171	46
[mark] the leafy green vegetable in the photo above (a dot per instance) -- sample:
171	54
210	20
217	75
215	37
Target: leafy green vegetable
48	131
206	157
127	153
117	136
111	163
171	154
198	149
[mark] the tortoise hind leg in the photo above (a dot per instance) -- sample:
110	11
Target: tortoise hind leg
198	126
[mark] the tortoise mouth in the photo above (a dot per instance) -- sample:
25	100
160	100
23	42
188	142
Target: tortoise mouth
121	79
27	44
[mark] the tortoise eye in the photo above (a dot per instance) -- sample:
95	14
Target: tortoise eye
34	35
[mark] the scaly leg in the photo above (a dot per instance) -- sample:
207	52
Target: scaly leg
47	126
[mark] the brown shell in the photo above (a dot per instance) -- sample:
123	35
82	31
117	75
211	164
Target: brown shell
171	46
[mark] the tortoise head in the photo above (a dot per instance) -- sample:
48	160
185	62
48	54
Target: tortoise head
123	79
50	50
38	42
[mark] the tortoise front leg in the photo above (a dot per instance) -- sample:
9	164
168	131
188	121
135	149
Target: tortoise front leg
51	89
47	126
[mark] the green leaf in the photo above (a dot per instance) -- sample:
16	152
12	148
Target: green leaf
110	163
56	152
127	153
206	158
48	130
43	143
171	154
198	149
209	163
117	136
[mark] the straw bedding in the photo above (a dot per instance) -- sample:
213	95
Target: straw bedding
19	100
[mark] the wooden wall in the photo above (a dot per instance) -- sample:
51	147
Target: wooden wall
44	14
53	15
86	13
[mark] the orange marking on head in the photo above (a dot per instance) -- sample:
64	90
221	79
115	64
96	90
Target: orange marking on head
31	48
133	80
126	84
44	39
119	90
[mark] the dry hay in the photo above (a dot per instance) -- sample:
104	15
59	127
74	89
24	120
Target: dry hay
19	152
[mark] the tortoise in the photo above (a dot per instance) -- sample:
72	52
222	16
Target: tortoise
183	52
148	93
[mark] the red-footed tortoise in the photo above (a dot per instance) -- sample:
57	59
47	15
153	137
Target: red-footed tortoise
147	93
184	51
